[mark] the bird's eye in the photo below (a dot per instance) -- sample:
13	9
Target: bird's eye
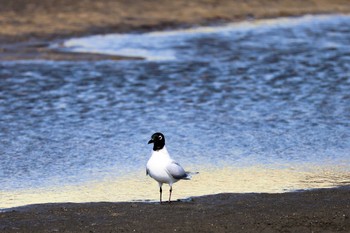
160	137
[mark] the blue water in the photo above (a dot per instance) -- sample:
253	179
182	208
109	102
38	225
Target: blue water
272	94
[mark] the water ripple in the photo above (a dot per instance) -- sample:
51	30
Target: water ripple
264	95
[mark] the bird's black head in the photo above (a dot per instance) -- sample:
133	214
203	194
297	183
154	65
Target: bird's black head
158	141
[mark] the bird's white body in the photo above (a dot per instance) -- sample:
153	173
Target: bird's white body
157	167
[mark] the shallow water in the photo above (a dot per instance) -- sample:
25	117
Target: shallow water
254	107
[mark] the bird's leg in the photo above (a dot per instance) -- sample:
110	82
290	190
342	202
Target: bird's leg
170	191
160	194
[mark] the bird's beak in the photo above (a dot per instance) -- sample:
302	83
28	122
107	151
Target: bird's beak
150	141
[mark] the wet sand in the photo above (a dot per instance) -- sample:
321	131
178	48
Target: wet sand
28	26
323	210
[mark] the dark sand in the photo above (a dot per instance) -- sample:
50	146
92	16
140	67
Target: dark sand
27	26
26	29
325	210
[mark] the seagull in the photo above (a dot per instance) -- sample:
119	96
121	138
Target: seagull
162	167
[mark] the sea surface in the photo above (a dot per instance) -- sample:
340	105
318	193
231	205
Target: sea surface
257	106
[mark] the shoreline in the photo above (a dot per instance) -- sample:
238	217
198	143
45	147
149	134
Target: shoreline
39	49
255	179
29	26
319	210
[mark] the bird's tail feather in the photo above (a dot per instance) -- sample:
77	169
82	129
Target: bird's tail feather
189	175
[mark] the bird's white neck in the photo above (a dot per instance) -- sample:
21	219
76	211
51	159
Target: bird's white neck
162	152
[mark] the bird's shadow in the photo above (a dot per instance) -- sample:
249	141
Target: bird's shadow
178	201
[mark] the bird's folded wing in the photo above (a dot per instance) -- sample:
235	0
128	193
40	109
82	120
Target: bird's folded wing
176	171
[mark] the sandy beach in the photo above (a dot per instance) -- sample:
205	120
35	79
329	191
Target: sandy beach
28	27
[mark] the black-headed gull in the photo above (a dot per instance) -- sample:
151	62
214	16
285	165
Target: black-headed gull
162	167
